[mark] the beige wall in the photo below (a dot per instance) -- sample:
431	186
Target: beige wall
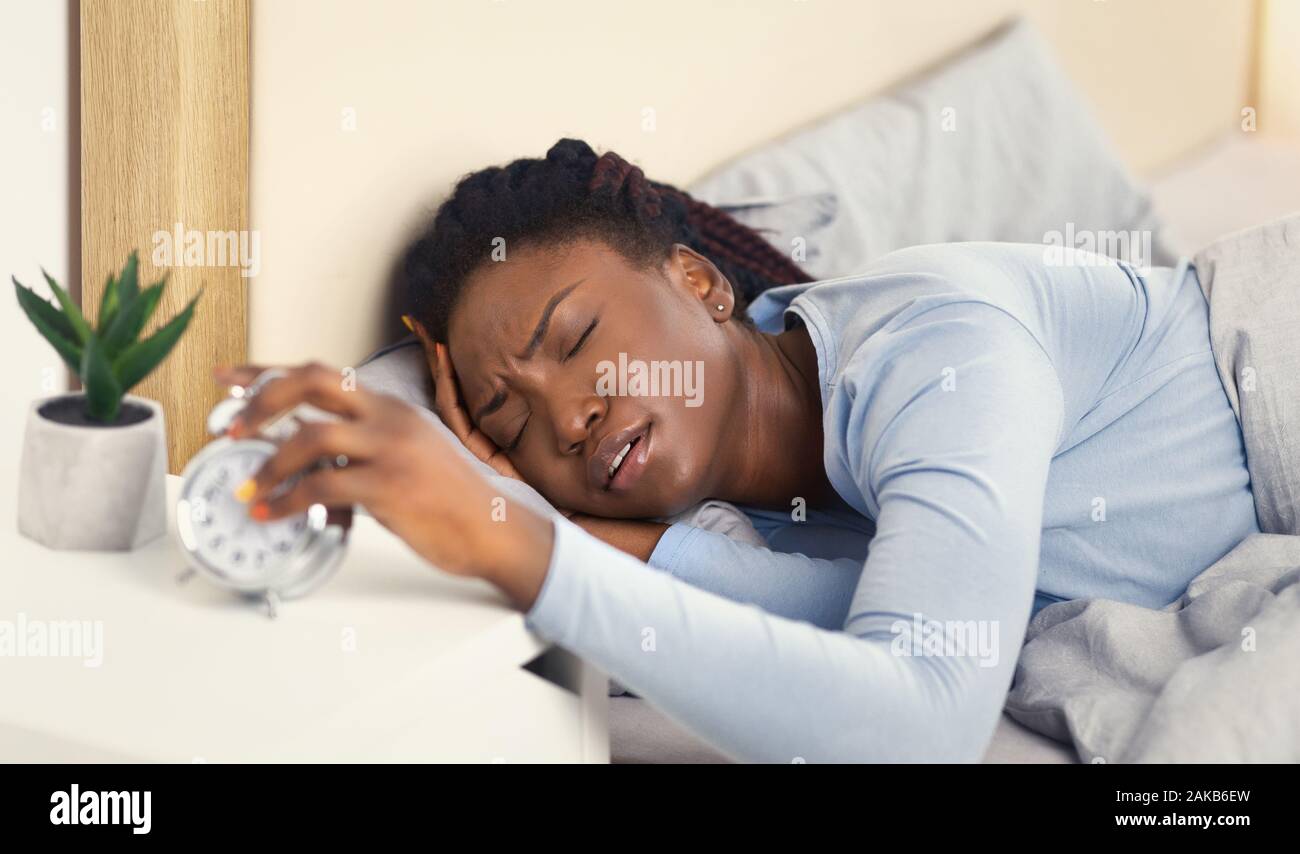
364	113
34	209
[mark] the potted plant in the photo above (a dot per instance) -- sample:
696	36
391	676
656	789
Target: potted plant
94	462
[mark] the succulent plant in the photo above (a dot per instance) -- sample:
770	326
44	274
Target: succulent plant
110	358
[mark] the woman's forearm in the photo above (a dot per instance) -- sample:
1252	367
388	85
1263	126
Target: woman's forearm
759	686
788	584
635	537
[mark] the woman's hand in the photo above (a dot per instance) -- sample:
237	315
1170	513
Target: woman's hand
447	403
401	470
637	538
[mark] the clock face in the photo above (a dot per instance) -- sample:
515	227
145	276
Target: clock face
216	527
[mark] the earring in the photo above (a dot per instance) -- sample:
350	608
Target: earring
721	307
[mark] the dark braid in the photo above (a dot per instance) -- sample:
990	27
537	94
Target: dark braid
574	193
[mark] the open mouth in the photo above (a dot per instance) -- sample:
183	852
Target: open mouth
620	457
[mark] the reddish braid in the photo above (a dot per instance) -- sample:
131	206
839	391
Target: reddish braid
719	235
724	235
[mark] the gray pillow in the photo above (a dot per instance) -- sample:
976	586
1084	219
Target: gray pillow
782	221
994	145
401	370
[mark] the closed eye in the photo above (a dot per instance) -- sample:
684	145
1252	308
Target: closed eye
591	327
514	444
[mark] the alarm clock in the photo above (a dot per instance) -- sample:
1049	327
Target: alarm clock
272	561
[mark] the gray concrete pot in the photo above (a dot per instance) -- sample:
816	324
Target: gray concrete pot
93	488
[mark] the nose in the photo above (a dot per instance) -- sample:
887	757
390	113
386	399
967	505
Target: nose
576	418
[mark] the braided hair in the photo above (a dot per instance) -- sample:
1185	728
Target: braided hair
574	193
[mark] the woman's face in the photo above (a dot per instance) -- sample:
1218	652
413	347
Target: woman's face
567	356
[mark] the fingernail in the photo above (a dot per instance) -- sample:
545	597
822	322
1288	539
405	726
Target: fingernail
260	511
245	491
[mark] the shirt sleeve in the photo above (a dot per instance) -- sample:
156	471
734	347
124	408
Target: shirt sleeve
788	584
948	426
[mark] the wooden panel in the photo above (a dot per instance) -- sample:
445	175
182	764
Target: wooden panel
1278	74
164	140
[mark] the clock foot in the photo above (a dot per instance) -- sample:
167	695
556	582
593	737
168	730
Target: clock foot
272	604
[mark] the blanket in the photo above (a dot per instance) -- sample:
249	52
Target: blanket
1215	675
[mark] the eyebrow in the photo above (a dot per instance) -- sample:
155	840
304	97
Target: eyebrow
539	334
498	400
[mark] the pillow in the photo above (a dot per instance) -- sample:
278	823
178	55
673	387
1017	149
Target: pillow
401	370
783	221
994	145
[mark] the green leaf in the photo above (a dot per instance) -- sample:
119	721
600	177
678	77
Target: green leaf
103	392
51	324
108	305
131	319
70	310
136	361
128	283
31	301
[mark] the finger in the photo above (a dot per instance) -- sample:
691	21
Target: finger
447	404
329	486
426	343
501	464
484	448
446	396
312	383
314	441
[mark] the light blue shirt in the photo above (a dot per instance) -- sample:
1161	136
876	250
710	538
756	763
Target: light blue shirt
1004	432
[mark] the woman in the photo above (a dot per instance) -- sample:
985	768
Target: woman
1002	425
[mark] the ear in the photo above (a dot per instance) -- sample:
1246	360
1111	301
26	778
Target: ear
705	282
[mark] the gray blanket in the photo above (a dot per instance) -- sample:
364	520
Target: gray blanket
1215	675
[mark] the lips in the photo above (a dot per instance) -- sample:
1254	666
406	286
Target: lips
624	450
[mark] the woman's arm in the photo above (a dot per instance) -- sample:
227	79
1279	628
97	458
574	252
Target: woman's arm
958	475
787	584
921	669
